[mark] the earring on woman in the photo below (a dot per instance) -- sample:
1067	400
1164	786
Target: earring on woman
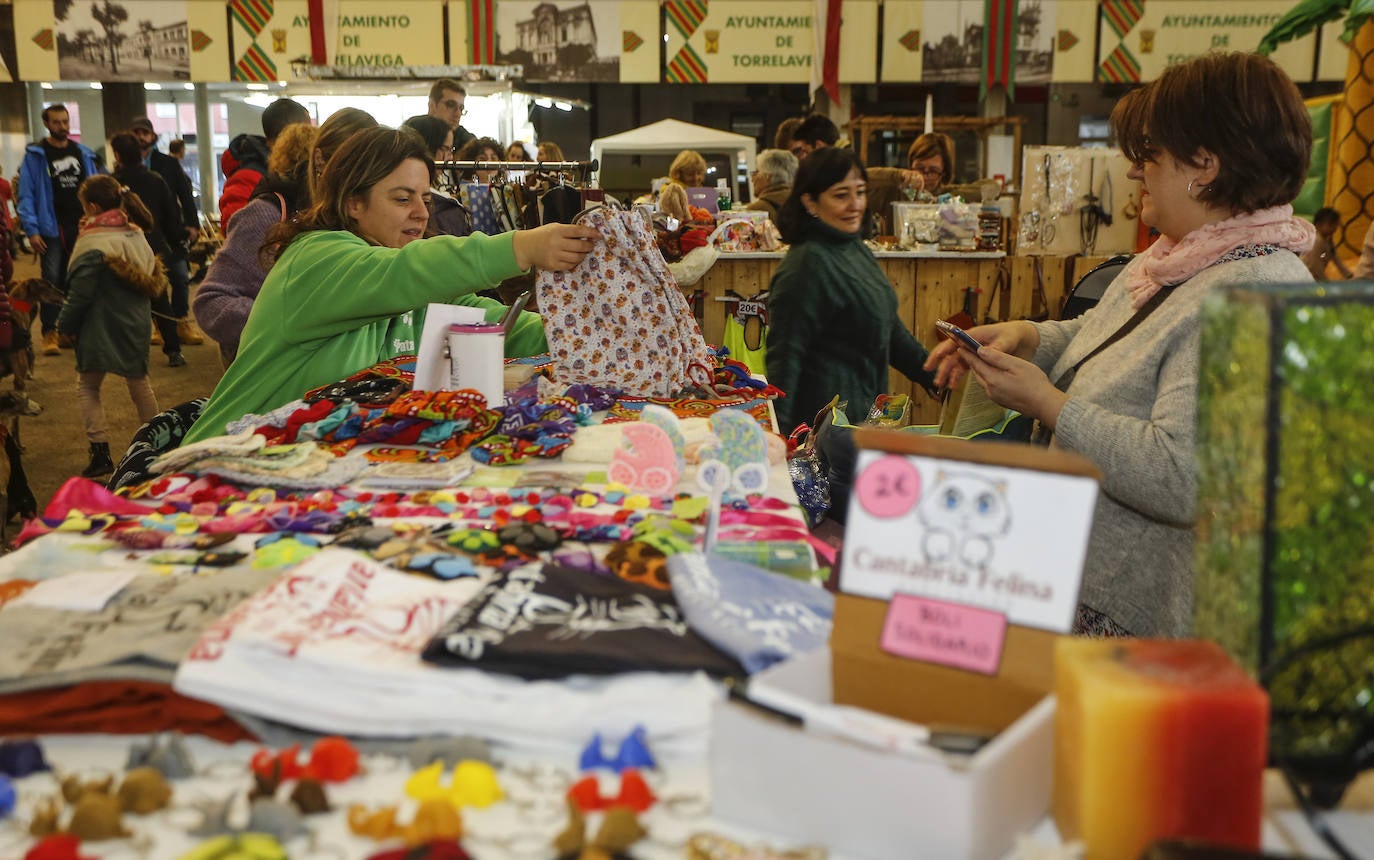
1190	189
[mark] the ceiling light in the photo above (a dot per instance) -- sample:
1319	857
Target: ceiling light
97	85
152	86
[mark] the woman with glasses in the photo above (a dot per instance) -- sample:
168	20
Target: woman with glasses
1118	385
932	156
447	216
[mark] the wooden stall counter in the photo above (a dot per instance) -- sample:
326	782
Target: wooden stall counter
930	285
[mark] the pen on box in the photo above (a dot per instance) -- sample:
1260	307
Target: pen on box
853	724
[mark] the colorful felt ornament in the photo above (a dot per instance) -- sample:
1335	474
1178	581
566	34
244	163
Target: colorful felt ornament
21	758
95	818
310	797
59	846
166	753
633	752
378	825
434	820
426	751
7	796
238	846
143	791
277	819
332	759
646	460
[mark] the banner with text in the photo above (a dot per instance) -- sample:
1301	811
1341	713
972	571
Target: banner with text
768	41
268	35
1139	39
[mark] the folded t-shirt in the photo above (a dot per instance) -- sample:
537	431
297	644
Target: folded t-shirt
550	621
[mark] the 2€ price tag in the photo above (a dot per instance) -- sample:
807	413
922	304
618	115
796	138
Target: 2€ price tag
950	634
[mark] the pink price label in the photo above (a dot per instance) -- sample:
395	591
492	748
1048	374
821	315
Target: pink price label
950	634
889	487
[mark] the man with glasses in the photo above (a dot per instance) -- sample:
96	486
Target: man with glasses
446	102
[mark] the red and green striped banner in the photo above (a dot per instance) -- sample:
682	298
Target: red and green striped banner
1120	67
482	31
255	66
686	68
630	40
999	46
44	38
200	40
911	40
685	15
1122	15
252	15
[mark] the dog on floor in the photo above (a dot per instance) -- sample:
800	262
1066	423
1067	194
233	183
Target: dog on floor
16	497
25	295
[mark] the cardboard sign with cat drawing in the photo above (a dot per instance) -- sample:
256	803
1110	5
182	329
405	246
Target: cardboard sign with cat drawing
964	525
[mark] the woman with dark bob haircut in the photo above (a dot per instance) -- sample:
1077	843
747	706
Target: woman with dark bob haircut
353	278
1220	145
833	324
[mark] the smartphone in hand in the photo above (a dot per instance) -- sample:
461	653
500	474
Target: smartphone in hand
959	336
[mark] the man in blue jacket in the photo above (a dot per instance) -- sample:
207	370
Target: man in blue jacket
53	169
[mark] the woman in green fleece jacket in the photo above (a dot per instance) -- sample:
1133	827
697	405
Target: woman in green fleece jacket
351	281
833	324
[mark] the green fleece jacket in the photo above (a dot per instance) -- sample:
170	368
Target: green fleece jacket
833	328
333	305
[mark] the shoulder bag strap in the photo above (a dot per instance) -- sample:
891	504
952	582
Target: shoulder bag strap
1066	379
282	202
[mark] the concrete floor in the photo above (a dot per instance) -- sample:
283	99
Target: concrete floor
55	444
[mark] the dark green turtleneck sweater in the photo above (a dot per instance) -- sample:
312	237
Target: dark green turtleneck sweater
833	327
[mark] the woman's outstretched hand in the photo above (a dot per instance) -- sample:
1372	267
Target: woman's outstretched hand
556	247
950	362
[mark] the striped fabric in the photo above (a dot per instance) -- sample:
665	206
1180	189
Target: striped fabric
999	46
685	15
686	68
1120	67
252	15
1122	15
255	66
482	31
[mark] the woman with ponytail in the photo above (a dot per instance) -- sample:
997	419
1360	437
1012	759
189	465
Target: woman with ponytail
111	282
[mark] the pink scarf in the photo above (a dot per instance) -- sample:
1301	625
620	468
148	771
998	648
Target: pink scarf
108	218
1167	262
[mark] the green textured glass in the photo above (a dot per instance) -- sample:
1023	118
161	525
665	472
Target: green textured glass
1285	559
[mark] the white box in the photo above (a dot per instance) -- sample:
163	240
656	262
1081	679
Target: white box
772	776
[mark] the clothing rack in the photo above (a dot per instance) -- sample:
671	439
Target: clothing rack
582	167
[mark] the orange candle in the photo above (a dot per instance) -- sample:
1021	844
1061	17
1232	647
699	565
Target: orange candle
1156	739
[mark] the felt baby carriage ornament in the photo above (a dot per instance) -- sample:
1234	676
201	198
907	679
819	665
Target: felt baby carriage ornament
618	320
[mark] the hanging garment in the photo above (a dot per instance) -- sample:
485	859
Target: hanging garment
477	197
746	330
618	320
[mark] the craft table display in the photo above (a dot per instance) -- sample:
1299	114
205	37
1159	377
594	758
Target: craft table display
543	597
929	286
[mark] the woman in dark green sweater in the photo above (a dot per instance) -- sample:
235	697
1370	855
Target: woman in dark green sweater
833	325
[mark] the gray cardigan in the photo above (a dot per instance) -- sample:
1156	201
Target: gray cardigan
1132	410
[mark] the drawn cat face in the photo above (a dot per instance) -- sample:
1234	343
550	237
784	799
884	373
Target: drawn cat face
965	503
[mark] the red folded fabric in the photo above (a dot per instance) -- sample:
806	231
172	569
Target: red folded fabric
114	707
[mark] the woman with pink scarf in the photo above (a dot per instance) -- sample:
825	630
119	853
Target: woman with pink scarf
1220	146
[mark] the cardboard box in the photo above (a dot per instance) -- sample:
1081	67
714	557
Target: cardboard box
807	786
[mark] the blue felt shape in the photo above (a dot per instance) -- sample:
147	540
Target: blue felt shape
21	758
592	757
634	752
7	796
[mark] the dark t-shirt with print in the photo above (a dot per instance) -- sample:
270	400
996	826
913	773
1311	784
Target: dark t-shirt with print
66	172
552	621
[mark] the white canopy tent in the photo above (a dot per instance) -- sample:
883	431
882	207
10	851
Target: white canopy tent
673	136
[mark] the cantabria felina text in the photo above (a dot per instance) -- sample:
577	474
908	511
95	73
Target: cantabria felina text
1006	584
